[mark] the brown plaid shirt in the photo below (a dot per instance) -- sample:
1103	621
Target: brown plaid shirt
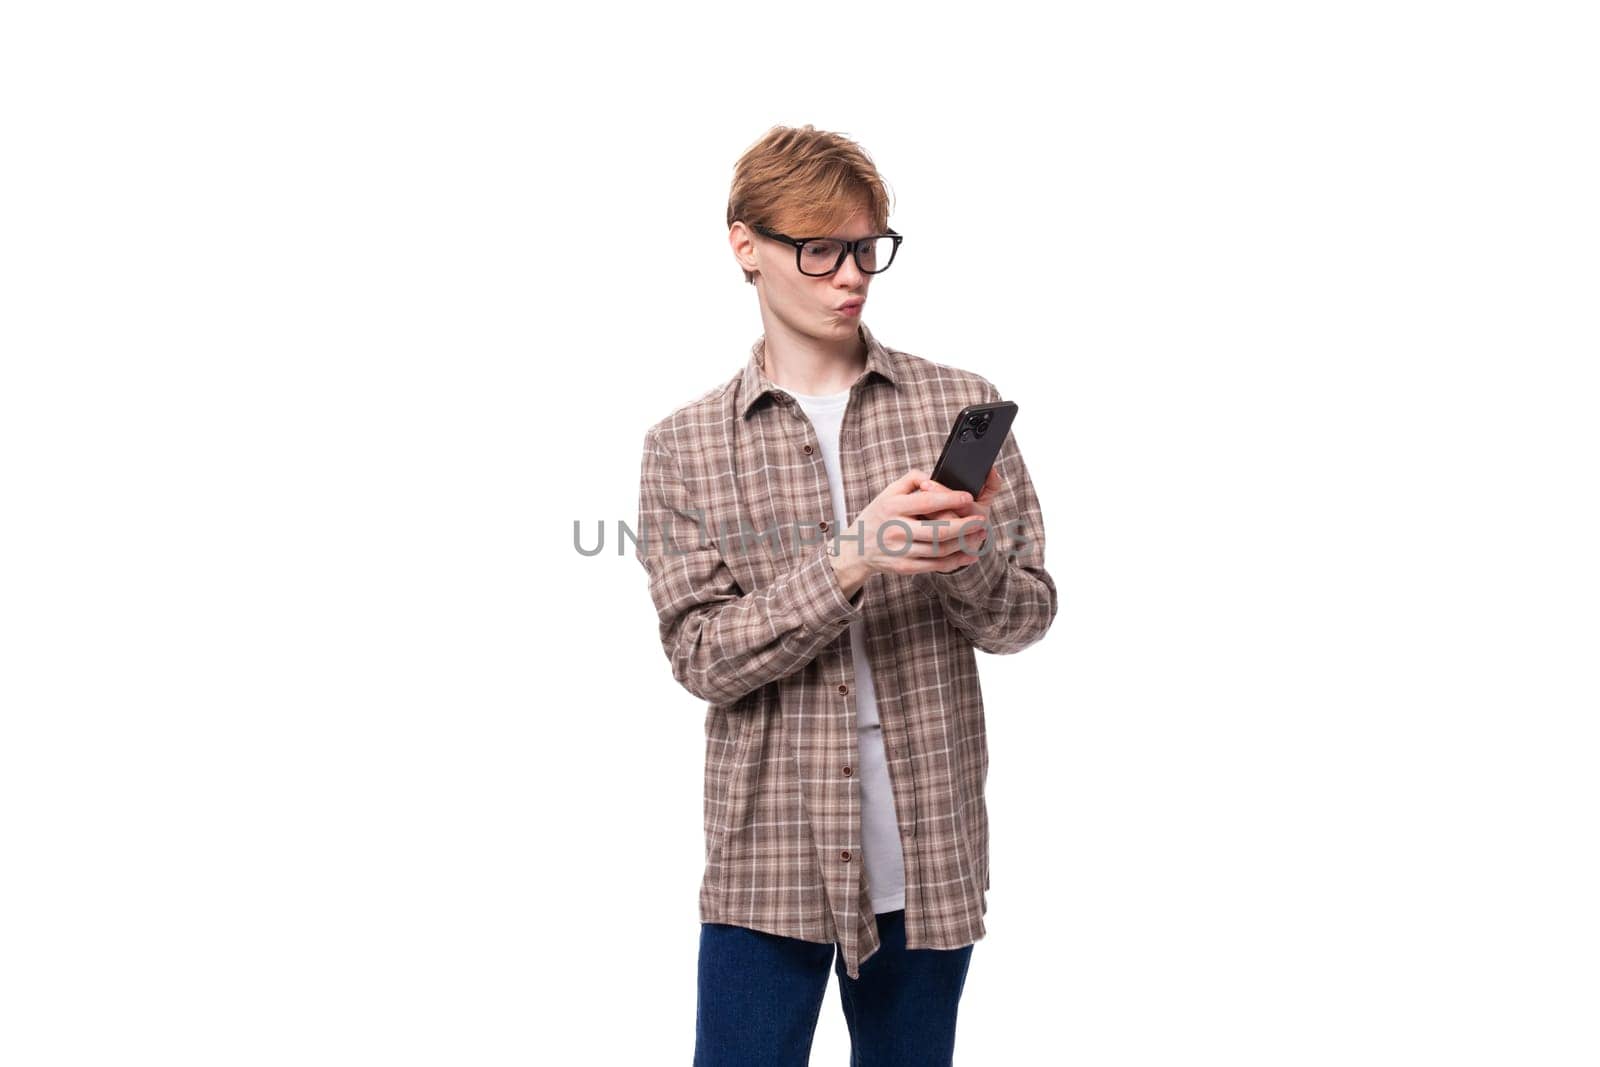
754	621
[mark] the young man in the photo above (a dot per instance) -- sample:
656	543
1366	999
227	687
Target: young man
813	588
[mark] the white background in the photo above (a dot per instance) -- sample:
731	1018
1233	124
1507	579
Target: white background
322	323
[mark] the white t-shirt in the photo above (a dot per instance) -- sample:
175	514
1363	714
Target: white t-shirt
883	860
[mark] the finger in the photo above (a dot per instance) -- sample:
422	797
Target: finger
909	480
985	492
924	538
973	529
924	557
938	487
930	566
950	514
946	544
923	501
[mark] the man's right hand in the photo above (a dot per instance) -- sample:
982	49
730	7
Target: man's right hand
923	548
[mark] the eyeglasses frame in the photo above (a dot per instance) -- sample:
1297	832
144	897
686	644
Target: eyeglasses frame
851	248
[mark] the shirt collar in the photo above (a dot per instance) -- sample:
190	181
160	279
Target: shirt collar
755	384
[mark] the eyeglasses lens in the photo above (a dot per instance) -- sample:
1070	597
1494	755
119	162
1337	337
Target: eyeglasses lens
819	257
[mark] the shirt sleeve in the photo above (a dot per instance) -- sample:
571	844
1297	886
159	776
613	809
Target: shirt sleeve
720	643
1004	600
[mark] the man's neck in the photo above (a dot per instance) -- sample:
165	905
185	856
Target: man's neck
811	366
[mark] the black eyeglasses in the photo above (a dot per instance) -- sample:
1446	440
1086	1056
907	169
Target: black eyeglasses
818	257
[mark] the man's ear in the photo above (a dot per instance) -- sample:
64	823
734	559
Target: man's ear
744	247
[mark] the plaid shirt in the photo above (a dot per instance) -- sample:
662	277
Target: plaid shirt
755	622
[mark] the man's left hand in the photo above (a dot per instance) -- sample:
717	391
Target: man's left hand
977	509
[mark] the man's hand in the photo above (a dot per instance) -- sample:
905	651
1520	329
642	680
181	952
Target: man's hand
975	509
896	536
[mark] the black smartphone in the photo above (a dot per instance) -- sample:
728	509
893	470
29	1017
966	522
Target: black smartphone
973	445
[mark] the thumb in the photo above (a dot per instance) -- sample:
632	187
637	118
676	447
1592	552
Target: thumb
910	481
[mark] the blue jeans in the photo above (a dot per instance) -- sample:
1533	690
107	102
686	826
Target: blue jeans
760	996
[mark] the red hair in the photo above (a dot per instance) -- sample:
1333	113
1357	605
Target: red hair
804	182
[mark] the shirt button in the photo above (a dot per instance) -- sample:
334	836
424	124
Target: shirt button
847	772
808	450
843	688
845	856
823	525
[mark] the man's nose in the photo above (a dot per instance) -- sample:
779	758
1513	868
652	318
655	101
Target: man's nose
848	273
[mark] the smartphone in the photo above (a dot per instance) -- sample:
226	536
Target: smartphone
973	445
